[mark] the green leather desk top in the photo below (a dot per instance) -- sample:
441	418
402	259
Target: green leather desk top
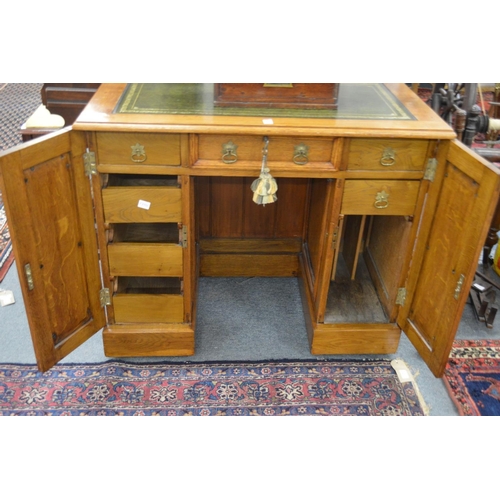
365	101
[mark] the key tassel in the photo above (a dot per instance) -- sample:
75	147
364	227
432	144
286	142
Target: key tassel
265	187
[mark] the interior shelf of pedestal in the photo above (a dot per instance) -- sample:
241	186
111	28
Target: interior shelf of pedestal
353	301
147	285
144	233
368	270
129	180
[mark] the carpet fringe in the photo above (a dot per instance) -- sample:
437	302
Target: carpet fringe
399	364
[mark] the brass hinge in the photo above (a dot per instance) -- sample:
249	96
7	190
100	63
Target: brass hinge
458	288
184	236
29	276
89	163
401	297
430	170
337	230
104	297
335	237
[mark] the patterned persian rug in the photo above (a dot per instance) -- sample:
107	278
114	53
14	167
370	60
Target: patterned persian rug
473	377
6	255
244	388
18	101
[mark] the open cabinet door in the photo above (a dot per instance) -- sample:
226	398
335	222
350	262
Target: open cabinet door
51	220
447	252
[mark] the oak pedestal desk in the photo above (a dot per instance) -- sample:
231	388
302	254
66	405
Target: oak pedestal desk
381	214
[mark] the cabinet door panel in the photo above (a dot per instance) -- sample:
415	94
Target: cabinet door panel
440	285
50	215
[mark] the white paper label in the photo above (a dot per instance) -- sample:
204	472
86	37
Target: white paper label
144	204
6	297
268	121
402	370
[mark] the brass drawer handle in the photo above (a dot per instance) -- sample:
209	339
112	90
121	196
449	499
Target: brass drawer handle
381	200
388	157
138	153
300	154
229	154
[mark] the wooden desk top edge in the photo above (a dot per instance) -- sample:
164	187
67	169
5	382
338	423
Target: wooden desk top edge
98	116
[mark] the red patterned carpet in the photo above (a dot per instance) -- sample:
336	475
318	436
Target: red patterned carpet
6	255
473	377
328	388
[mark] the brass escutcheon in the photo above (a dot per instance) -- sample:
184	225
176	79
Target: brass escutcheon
300	154
381	200
229	154
138	153
388	157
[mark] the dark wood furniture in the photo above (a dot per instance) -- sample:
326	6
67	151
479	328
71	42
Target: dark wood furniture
67	99
64	99
277	95
29	133
382	220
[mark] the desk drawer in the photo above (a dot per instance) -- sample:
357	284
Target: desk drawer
290	150
142	204
145	259
138	148
148	308
374	197
387	155
148	300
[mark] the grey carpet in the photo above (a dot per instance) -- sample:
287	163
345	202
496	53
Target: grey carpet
18	101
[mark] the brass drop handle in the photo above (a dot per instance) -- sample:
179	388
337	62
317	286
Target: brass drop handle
388	157
229	154
300	154
138	153
381	200
265	186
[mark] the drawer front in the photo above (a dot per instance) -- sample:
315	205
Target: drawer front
142	204
148	308
374	197
391	155
145	259
138	148
294	151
